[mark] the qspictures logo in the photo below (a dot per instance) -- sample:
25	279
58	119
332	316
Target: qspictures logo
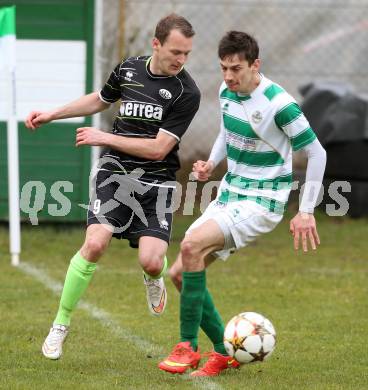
126	186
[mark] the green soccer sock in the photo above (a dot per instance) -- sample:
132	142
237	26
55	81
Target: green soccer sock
191	306
77	278
162	273
212	324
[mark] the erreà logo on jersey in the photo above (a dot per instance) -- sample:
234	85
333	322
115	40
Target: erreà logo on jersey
165	93
141	110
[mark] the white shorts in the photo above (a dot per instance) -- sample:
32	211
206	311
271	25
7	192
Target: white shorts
241	222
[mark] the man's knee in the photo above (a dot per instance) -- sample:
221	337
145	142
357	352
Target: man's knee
151	263
93	249
189	247
176	277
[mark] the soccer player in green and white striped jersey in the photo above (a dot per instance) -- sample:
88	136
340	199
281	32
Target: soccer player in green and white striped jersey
261	124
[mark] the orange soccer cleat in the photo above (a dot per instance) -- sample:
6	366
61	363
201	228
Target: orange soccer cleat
215	365
181	358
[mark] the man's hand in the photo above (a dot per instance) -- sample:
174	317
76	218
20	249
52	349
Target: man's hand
304	225
203	169
37	118
90	136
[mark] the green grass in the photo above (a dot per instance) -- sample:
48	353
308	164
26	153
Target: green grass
316	301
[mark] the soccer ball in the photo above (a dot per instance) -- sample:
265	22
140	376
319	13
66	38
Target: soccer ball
249	337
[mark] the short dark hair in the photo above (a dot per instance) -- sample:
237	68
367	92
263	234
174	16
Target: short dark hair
240	43
173	22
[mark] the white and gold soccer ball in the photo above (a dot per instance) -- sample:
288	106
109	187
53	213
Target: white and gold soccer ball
249	337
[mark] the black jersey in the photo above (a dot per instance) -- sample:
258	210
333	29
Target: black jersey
149	103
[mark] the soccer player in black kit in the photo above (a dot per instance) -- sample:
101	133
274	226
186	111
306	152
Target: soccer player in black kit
132	190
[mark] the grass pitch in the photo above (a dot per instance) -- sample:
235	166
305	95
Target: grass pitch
316	301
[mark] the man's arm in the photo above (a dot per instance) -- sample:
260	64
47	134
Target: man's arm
303	225
203	169
85	105
148	148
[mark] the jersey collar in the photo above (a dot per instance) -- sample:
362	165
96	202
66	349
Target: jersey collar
156	76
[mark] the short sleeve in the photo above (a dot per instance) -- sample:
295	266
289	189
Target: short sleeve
182	114
291	120
111	91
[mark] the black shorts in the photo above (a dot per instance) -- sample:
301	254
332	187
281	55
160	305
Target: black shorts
131	208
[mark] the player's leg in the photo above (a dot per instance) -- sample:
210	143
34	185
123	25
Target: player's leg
176	270
152	258
81	269
150	232
241	223
77	279
195	248
211	322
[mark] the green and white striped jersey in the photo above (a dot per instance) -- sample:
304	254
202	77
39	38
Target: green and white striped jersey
261	131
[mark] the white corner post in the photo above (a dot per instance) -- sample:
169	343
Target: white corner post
97	70
13	171
8	64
